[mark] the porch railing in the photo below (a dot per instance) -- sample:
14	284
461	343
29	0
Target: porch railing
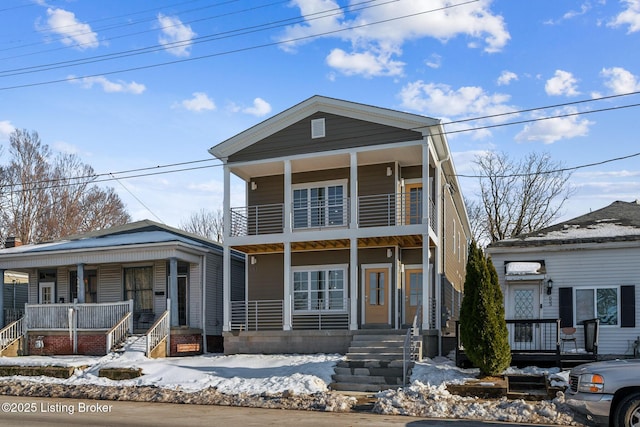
12	332
264	315
87	316
120	331
160	330
382	210
412	348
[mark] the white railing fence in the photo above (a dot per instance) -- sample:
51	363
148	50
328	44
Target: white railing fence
87	316
160	330
119	332
12	332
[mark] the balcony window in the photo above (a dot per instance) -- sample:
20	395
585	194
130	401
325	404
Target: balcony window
316	289
319	205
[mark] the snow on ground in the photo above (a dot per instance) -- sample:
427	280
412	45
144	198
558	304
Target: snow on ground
281	379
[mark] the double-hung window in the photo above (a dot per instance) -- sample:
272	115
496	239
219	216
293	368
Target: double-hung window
319	288
319	205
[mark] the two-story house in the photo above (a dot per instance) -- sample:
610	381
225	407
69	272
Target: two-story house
353	218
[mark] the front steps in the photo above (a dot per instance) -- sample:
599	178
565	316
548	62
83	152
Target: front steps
374	362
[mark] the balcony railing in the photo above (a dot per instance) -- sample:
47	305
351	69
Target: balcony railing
263	315
383	210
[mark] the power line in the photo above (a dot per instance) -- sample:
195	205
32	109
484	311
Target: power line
228	52
138	199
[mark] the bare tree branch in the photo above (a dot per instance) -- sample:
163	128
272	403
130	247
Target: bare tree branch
205	223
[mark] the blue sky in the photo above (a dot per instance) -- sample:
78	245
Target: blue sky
131	84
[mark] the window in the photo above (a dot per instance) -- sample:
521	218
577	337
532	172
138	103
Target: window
90	286
413	203
317	289
319	205
600	303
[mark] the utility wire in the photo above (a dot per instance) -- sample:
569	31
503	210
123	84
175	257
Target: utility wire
138	199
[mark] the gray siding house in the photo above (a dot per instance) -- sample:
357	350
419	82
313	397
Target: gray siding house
582	269
347	209
135	275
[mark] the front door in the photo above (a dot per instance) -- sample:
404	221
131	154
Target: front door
525	304
376	292
47	293
412	293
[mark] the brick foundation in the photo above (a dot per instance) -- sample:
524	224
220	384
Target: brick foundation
58	343
185	343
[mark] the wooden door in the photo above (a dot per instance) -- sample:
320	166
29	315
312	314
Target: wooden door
412	293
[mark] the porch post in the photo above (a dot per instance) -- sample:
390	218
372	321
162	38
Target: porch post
287	198
353	243
80	284
173	291
426	289
2	299
287	287
226	257
353	284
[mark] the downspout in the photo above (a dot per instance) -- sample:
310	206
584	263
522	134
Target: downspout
442	249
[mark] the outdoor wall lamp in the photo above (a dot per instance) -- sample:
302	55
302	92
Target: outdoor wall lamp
549	286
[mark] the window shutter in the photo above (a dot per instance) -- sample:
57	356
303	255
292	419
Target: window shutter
628	302
565	296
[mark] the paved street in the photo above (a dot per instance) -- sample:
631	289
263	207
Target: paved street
31	411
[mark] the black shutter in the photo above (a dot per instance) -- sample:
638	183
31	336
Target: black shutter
628	303
565	296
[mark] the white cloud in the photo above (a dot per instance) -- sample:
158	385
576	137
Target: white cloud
619	81
551	130
73	32
367	64
65	147
260	108
379	32
199	102
176	37
107	85
584	8
434	61
506	77
6	128
630	16
562	83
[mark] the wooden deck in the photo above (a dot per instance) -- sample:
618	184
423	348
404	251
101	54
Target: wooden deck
537	342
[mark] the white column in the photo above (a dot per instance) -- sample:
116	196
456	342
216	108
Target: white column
173	291
80	286
226	260
353	242
287	197
426	289
288	295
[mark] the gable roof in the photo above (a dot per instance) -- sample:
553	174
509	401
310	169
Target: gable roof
618	222
316	104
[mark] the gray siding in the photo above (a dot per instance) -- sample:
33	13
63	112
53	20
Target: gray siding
110	288
266	277
62	284
373	179
160	292
195	296
341	133
214	295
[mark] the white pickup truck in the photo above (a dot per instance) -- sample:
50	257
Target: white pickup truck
607	393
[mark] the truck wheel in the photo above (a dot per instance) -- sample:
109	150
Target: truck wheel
627	413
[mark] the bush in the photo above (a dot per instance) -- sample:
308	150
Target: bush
483	329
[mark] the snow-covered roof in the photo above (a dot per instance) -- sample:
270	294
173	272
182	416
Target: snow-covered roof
618	222
520	268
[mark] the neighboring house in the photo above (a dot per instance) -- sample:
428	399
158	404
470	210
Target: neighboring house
581	269
80	287
15	295
352	219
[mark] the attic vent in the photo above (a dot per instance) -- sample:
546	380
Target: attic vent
317	128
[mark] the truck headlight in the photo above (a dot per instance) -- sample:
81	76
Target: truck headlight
591	383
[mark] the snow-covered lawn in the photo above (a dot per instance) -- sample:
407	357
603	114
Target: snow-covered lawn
291	376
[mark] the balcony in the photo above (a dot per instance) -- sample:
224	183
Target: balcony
383	210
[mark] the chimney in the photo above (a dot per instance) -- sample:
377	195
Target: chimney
12	242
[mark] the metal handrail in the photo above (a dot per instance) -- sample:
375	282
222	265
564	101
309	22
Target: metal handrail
407	349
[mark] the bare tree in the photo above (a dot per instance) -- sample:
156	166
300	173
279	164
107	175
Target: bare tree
49	197
518	197
205	223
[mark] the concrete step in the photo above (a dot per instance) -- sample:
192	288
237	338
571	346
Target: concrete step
360	387
363	379
368	363
385	338
375	350
386	357
384	372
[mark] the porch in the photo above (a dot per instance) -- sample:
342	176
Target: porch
79	328
540	342
382	210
